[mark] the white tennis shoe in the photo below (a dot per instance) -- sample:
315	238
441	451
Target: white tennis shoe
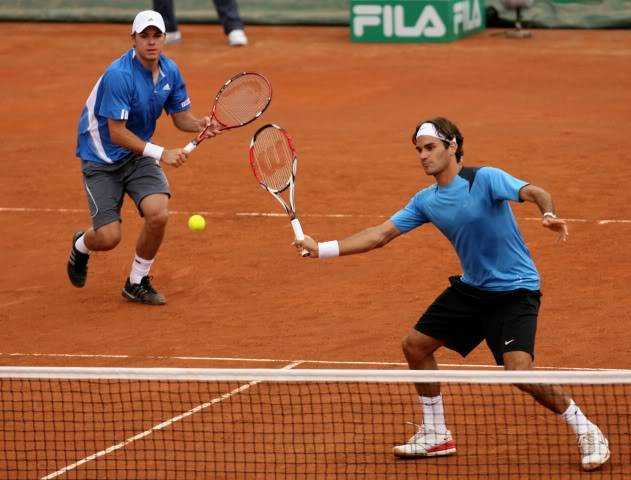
594	449
237	38
426	443
173	37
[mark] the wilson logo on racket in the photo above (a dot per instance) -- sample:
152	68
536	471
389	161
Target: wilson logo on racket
272	159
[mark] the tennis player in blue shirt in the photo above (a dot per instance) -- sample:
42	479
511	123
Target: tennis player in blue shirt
496	298
117	156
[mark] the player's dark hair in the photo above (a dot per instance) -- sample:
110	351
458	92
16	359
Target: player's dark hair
446	128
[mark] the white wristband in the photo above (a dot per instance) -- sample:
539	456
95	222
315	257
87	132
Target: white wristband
153	151
328	249
549	214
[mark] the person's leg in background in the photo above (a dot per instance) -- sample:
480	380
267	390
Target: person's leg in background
228	13
166	8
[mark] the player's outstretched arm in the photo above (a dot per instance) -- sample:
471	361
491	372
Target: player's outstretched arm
363	241
543	200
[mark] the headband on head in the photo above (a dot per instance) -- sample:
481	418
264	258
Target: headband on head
430	130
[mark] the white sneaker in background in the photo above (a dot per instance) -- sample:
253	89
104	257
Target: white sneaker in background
237	38
173	37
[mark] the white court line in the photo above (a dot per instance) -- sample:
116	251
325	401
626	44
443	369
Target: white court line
159	426
276	214
603	222
69	355
279	360
43	210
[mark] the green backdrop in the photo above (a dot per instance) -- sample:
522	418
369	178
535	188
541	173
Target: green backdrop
544	13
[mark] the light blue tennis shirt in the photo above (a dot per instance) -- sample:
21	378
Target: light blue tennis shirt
478	221
126	92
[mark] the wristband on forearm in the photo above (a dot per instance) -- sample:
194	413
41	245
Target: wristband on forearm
153	151
549	214
328	249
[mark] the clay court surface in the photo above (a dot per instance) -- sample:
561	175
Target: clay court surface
553	110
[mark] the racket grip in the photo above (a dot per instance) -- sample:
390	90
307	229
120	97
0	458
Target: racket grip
299	234
190	146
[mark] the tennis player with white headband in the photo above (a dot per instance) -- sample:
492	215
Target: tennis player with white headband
496	298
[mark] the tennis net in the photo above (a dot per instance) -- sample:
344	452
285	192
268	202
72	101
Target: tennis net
121	423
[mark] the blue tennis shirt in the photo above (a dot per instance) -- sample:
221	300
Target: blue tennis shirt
126	92
474	214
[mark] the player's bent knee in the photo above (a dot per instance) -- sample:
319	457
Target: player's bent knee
108	239
407	344
414	345
157	219
517	361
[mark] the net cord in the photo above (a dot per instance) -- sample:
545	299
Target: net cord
319	375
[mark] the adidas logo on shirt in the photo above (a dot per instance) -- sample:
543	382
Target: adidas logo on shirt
167	87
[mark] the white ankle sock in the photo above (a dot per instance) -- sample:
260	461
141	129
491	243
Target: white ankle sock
81	246
576	419
433	413
139	268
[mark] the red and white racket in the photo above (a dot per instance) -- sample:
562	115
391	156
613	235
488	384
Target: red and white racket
240	100
273	160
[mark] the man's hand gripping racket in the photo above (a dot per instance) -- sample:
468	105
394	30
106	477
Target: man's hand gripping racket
273	160
240	101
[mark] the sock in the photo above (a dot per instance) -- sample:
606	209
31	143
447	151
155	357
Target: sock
434	413
139	268
81	246
576	419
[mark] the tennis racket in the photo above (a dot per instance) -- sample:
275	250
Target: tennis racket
240	100
274	162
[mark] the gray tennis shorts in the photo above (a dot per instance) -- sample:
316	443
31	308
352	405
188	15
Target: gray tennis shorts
106	185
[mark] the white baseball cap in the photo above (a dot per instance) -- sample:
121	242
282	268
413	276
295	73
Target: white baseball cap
148	18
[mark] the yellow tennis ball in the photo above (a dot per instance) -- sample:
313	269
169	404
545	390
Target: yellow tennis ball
196	223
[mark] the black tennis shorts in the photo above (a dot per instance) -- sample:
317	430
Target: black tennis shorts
462	316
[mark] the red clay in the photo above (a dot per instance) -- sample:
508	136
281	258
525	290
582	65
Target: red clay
553	110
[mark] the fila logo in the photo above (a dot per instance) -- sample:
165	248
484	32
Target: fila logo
465	19
392	20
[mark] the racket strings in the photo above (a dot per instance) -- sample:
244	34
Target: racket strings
273	158
242	100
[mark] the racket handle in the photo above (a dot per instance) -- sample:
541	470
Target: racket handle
299	234
190	146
